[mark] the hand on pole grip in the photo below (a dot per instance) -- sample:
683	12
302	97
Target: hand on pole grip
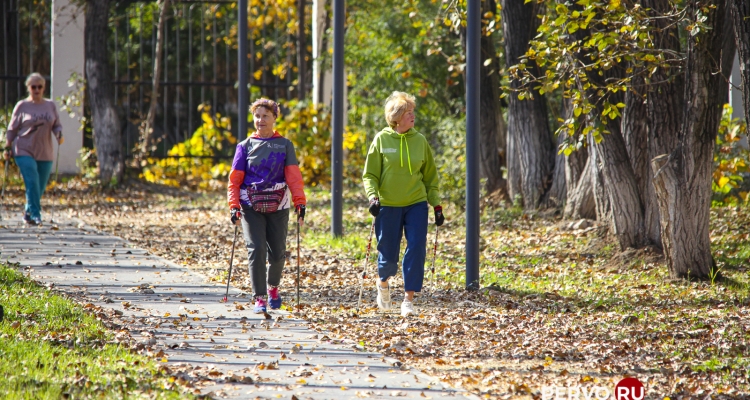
236	215
439	217
300	210
374	206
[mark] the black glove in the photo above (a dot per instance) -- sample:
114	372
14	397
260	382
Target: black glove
375	206
236	215
439	218
300	210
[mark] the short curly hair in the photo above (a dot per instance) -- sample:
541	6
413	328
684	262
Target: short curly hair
396	105
269	105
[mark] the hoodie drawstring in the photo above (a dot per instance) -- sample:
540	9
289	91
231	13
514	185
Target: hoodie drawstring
401	152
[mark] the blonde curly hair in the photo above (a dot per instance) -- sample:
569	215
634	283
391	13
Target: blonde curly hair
396	106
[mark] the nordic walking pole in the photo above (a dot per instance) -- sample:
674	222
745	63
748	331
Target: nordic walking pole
364	266
231	258
298	265
434	256
57	162
2	193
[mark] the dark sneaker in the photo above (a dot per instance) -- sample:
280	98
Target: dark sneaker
27	219
274	298
260	305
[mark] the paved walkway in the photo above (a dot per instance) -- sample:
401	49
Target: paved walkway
174	314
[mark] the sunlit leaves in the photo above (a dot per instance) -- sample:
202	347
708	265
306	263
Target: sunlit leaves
730	157
189	162
577	44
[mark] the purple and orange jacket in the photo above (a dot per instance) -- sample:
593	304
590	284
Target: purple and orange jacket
265	164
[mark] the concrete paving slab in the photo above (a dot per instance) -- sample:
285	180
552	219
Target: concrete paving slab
176	316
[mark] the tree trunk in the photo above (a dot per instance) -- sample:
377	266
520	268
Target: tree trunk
580	200
682	179
490	118
664	105
529	136
741	21
579	195
599	186
148	141
107	137
555	197
620	184
635	132
301	51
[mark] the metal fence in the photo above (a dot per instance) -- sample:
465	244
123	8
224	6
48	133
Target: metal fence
25	39
199	64
199	60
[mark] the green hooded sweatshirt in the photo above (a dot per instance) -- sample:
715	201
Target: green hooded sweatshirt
400	170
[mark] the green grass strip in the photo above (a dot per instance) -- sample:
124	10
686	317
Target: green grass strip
50	348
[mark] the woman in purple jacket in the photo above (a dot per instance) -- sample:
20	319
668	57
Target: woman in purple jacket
29	139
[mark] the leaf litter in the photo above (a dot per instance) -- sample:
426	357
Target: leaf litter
558	307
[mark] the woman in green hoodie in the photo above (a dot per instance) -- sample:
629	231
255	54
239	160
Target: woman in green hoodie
400	179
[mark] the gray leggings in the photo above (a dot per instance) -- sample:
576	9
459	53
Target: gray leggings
265	234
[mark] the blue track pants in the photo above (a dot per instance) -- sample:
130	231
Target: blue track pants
390	224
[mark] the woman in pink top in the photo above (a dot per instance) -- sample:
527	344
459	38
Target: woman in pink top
29	140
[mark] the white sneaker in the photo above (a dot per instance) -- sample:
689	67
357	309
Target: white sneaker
407	308
384	297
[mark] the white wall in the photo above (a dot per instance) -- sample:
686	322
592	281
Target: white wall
322	79
67	58
735	97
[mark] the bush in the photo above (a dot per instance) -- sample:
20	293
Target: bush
730	160
196	162
309	128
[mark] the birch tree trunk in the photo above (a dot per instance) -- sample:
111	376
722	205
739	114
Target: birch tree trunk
106	124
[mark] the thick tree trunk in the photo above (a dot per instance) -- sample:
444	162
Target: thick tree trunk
624	197
107	136
513	165
579	196
625	204
147	133
635	132
599	186
301	51
683	178
664	106
528	132
581	202
491	119
741	21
